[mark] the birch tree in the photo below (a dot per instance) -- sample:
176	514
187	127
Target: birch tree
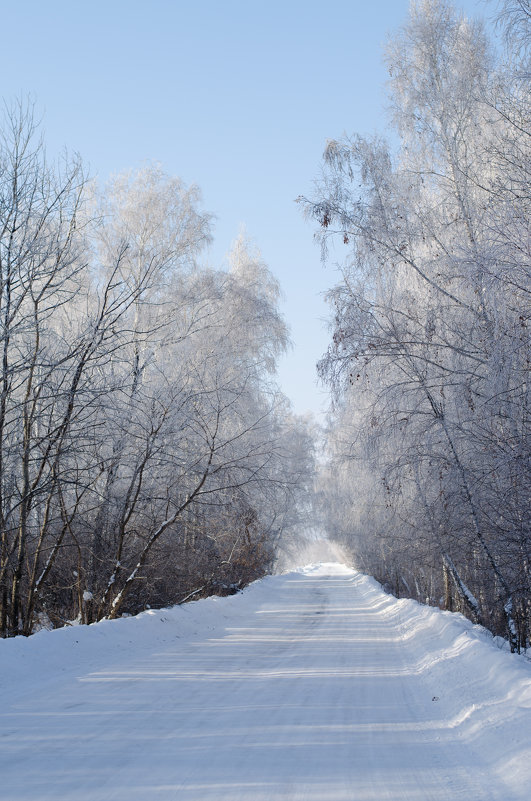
430	332
147	454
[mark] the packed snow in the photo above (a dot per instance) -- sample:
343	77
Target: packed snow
310	685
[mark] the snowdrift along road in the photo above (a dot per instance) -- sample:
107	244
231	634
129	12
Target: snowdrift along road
312	685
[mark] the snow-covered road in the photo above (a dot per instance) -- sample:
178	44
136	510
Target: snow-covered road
314	685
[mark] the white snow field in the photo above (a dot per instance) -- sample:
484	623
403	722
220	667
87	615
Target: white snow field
314	685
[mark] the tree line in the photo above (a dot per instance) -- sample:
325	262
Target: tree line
429	475
146	453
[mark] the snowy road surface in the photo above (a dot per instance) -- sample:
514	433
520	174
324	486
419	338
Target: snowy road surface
313	685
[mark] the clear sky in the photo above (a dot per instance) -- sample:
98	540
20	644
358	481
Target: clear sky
238	97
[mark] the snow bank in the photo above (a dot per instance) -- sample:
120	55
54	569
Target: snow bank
486	691
50	656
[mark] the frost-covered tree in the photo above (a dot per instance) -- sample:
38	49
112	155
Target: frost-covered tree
146	452
430	348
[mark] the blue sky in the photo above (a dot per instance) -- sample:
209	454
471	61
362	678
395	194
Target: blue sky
237	97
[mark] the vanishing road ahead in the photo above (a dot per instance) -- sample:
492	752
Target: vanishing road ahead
311	686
